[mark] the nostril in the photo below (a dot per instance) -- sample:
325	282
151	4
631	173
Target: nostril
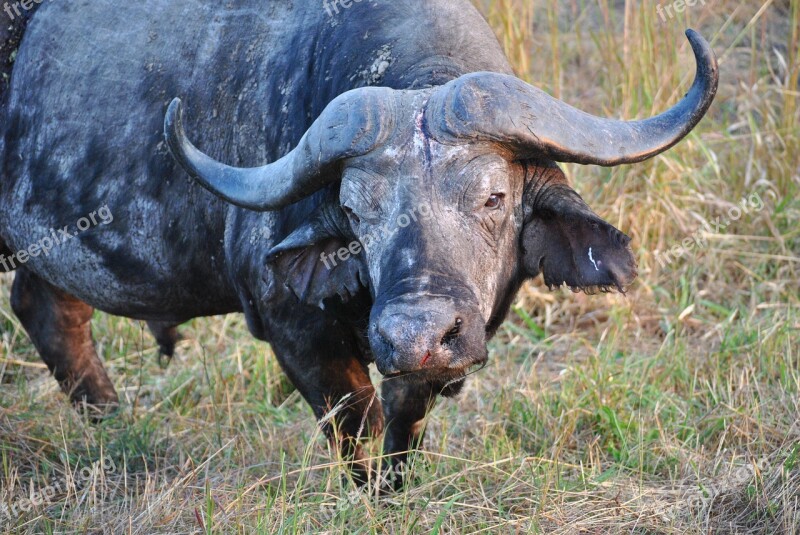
386	340
390	345
452	333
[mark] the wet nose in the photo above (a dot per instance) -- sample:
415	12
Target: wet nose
420	338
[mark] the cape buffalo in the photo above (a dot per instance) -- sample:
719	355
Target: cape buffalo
410	188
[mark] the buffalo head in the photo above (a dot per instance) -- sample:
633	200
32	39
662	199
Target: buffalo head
449	198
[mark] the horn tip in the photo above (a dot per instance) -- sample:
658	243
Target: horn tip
176	103
696	40
173	123
706	59
174	112
699	44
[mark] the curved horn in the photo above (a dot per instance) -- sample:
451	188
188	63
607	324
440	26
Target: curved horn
351	125
504	109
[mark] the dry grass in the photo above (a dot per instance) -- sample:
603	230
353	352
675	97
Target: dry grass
673	409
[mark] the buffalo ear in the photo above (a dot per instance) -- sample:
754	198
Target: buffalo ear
567	242
307	262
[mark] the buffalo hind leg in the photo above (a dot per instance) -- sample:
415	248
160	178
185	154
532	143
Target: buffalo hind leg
59	326
321	360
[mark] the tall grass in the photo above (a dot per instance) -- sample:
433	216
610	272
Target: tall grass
673	409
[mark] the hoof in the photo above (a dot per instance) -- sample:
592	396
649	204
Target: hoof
97	404
96	412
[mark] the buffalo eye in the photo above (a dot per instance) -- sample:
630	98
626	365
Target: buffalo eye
495	201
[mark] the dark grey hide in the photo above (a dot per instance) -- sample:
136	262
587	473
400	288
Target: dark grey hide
393	225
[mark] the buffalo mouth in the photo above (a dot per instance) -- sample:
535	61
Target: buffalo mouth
440	379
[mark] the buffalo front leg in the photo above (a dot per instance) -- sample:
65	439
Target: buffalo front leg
321	359
406	403
59	326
